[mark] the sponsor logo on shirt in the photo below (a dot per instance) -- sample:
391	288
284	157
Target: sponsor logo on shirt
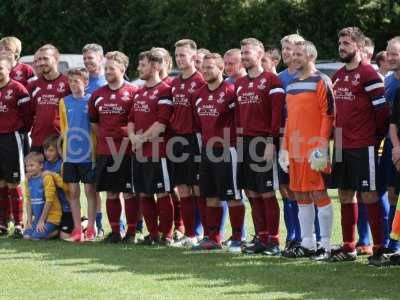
141	106
208	110
159	185
111	109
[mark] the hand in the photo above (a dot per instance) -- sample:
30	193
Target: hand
397	166
318	159
395	154
269	152
137	141
41	227
283	160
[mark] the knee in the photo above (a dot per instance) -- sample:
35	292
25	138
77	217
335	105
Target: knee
369	197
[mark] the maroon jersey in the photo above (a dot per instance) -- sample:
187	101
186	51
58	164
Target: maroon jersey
215	113
362	113
14	107
110	109
45	96
152	104
182	120
259	105
22	73
168	80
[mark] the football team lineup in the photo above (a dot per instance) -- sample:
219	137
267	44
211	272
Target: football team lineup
175	156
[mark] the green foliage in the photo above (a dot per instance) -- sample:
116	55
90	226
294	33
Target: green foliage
135	25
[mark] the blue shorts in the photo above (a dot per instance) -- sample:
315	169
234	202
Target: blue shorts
387	171
36	235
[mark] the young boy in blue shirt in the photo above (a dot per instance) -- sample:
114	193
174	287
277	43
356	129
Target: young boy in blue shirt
78	151
43	208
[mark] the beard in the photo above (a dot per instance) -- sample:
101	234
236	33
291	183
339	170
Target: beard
348	58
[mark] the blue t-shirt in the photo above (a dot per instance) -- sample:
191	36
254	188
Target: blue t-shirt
286	77
56	168
78	142
36	193
95	82
391	85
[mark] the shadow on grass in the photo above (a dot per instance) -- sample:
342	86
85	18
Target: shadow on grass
268	275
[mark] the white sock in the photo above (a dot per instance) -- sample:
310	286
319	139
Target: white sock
306	218
325	217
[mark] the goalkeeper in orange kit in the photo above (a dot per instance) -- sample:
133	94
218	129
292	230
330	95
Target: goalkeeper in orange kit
304	152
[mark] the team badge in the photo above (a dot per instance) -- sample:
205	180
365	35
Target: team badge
125	96
18	75
112	97
49	86
182	86
210	98
251	85
192	87
346	78
221	97
356	80
8	94
61	87
262	85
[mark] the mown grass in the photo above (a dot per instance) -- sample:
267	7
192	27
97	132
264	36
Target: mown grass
59	270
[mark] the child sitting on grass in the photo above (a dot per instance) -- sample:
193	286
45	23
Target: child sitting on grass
53	164
43	207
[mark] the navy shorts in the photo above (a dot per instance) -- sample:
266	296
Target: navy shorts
78	172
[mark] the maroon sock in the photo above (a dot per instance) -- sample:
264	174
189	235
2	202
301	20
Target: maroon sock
254	224
114	209
132	209
272	219
3	205
236	216
202	206
188	209
149	208
214	218
166	215
349	219
258	214
15	195
375	220
178	222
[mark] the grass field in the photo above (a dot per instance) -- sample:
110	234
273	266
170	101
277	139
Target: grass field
59	270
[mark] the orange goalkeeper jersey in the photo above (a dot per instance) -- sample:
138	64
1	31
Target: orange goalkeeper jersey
309	123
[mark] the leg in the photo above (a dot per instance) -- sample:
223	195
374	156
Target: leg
132	208
90	193
188	207
375	217
166	216
114	209
74	201
99	214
